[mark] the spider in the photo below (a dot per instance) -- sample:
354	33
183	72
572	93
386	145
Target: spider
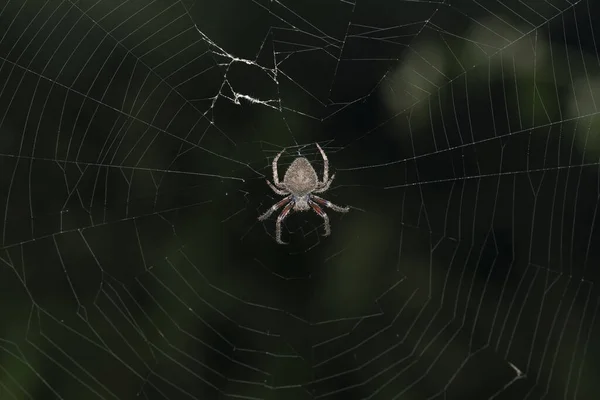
300	182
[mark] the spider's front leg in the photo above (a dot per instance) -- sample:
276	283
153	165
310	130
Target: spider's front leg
323	215
274	207
280	219
329	204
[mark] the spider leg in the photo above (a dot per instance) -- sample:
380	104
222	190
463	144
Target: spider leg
329	204
280	219
325	164
325	185
274	165
277	190
274	207
323	215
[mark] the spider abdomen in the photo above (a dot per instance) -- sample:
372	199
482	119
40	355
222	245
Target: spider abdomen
300	178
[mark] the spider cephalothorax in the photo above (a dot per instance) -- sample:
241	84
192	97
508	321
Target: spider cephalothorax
300	182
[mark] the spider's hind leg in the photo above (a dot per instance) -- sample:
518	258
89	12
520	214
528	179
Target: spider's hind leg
274	166
325	164
276	189
325	186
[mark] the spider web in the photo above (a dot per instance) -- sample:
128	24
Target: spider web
135	139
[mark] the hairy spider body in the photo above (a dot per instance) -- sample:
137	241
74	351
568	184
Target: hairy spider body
300	182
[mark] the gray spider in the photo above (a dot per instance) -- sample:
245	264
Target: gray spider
300	182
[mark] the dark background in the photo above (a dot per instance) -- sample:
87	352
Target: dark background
135	139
